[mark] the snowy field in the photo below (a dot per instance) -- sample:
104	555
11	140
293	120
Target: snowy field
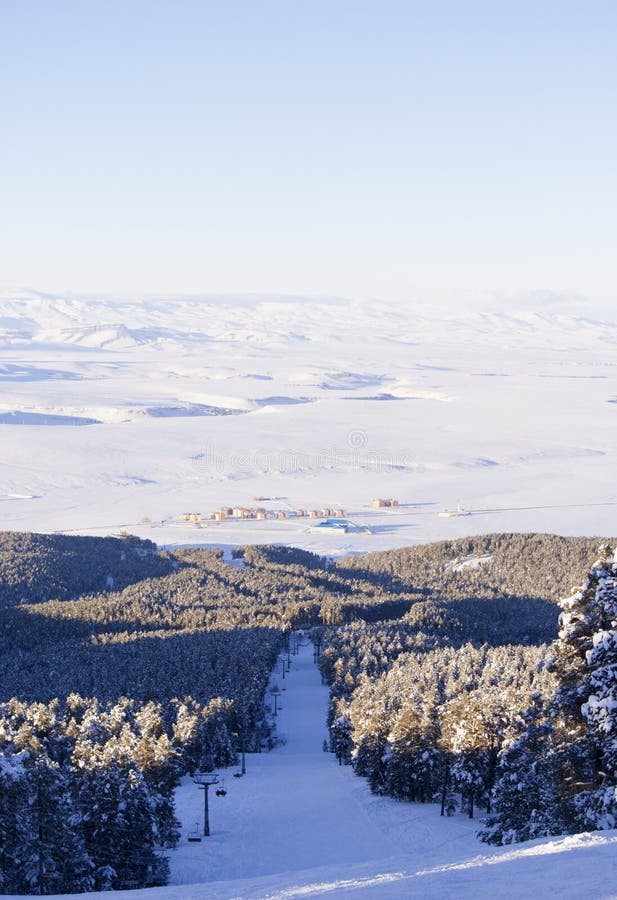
299	826
126	414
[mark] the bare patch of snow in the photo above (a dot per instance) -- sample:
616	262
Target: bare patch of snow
469	562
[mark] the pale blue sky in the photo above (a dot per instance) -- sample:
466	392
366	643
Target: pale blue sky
367	148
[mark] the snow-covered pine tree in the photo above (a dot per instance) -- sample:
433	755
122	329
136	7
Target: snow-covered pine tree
221	717
45	852
472	742
580	743
185	730
117	815
525	800
598	804
340	739
415	764
16	826
370	733
66	866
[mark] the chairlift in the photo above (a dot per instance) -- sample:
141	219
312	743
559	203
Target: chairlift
221	791
194	837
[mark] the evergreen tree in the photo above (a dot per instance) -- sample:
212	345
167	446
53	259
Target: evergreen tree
340	739
43	851
598	804
561	774
579	741
415	762
526	801
17	826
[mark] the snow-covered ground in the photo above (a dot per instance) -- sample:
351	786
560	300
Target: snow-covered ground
299	826
125	414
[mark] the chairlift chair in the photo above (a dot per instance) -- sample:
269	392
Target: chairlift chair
221	790
194	837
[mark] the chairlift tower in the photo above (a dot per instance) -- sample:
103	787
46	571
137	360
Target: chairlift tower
240	735
275	691
204	780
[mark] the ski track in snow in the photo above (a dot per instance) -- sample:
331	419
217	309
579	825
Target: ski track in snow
299	826
293	810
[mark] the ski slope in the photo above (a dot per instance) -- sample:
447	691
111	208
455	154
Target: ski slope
299	826
293	810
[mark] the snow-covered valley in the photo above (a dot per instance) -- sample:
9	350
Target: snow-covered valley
127	414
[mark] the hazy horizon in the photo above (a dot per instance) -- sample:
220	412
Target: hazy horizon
545	302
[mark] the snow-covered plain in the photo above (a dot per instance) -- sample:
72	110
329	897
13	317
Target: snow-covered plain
298	825
127	413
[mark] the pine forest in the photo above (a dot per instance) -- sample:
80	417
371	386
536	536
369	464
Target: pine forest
477	675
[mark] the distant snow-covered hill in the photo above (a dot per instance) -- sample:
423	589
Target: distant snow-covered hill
286	320
506	412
